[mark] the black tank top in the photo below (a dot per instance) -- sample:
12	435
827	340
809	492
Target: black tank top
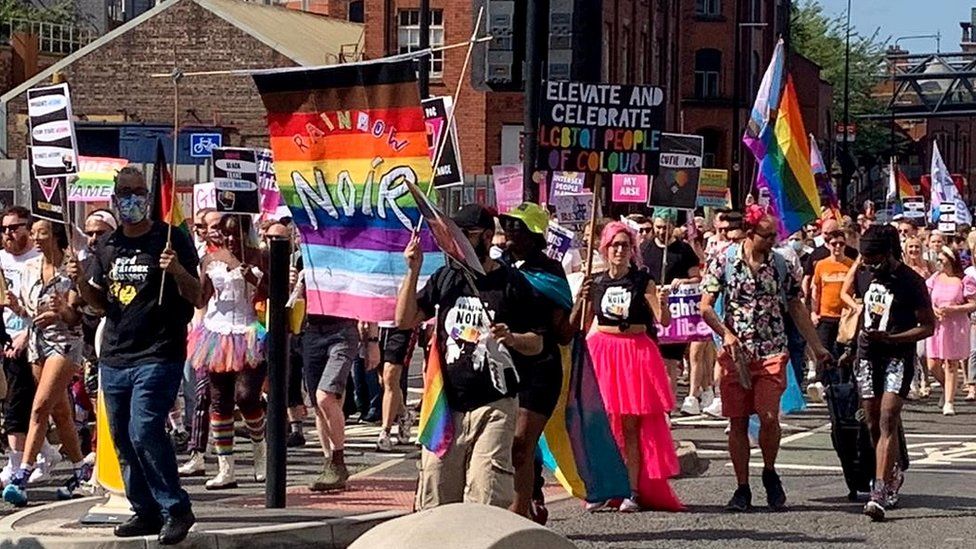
620	302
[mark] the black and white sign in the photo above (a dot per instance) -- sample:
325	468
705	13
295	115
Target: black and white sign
676	184
437	112
236	180
947	218
914	207
54	149
47	198
605	128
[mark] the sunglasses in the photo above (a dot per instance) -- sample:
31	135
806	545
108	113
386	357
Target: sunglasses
126	192
13	227
91	234
837	244
644	230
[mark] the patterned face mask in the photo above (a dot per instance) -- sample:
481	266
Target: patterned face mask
132	209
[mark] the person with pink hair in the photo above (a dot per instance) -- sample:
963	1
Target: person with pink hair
630	372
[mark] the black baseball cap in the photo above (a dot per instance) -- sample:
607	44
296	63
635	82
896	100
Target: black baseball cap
474	216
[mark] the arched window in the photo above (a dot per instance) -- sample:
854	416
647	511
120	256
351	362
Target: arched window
708	64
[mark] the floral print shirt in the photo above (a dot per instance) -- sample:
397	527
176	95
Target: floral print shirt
753	301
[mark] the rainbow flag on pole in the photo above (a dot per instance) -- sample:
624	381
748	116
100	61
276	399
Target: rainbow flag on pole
436	430
777	139
822	178
346	139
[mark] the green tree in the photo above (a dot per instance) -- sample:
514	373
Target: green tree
822	39
62	12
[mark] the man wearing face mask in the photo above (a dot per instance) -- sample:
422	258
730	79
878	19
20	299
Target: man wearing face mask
143	352
482	333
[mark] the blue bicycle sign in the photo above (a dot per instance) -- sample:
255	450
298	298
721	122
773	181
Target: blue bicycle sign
202	144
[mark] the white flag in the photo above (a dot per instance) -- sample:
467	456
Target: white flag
892	182
944	190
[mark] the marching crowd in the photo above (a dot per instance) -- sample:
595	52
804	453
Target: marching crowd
141	314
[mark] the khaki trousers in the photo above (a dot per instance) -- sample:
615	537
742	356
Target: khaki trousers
477	467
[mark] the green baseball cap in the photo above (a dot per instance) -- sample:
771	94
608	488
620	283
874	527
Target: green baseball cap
534	216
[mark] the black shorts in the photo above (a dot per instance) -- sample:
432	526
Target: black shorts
397	345
673	351
880	375
21	387
540	385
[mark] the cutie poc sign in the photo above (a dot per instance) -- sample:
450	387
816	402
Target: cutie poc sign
600	128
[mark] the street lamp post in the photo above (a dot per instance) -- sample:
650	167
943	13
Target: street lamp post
845	144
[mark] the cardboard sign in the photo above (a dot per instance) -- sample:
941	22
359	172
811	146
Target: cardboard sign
687	323
236	180
629	188
47	198
605	128
508	186
54	149
713	189
558	241
573	209
567	183
96	179
947	218
437	111
204	196
267	182
676	184
914	207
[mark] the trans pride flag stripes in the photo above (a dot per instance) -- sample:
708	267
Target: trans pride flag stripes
776	137
345	140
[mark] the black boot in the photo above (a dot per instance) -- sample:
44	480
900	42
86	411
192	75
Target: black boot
138	526
176	528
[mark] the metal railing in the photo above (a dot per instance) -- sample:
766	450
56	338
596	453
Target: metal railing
52	37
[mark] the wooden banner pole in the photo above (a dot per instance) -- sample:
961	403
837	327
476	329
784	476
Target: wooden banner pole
175	75
590	244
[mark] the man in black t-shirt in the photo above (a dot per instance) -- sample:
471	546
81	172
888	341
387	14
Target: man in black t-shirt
485	326
143	352
682	268
897	314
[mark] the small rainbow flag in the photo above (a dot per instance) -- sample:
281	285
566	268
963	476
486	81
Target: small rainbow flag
436	429
777	139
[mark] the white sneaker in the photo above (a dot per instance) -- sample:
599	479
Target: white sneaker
225	478
707	398
8	470
384	442
47	459
715	408
628	505
815	392
948	409
690	406
195	467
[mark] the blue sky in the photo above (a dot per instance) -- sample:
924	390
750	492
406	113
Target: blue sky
897	18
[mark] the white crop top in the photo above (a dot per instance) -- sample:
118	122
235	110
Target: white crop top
231	309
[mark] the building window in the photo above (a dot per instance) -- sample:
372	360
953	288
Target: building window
755	11
708	8
356	13
712	142
408	37
708	63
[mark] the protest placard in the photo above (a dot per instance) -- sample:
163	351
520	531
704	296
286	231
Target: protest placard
47	198
629	188
567	183
508	186
96	179
558	241
676	184
204	196
573	209
914	207
947	218
236	180
267	182
437	111
713	189
53	147
686	320
606	128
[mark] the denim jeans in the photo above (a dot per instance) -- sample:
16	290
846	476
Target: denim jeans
138	400
367	391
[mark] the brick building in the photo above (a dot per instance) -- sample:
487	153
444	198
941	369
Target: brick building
121	110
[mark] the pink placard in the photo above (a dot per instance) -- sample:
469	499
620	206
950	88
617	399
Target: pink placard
629	188
508	186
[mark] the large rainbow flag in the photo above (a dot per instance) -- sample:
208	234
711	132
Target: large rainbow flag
345	140
776	137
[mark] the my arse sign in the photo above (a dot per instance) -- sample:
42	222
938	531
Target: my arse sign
606	128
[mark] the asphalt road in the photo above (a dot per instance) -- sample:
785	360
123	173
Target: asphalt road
938	506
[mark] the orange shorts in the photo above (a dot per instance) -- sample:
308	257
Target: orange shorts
768	383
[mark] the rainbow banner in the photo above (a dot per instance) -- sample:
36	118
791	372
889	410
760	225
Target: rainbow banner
436	427
346	139
96	179
776	137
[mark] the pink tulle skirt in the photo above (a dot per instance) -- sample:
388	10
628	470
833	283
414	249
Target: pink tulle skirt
634	382
215	352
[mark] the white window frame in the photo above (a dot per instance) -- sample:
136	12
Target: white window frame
408	37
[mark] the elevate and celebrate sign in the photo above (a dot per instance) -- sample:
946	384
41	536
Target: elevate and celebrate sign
600	128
